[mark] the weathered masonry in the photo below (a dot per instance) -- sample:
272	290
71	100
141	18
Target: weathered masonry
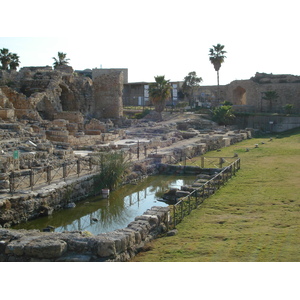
108	92
119	245
248	95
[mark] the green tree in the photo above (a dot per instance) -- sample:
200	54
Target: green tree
5	58
216	57
190	84
159	92
270	96
223	115
61	60
9	59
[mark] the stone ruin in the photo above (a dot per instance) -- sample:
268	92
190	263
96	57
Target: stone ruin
49	117
247	95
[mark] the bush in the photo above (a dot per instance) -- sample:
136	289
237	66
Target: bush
223	115
142	114
113	167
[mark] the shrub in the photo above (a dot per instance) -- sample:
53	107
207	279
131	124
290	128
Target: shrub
223	115
113	167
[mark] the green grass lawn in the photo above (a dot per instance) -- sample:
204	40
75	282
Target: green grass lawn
253	218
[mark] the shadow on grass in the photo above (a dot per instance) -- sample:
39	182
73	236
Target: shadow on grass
288	133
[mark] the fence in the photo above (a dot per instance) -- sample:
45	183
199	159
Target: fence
48	174
37	176
209	162
185	205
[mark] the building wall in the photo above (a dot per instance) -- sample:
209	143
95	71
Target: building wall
137	93
249	93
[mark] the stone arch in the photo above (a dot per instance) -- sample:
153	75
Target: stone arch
239	96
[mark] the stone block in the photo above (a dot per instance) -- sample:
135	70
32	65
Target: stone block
7	114
140	226
45	248
121	241
130	235
17	247
105	246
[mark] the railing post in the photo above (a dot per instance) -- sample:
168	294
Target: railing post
181	208
91	165
12	182
78	167
48	174
31	178
64	171
202	162
174	215
220	162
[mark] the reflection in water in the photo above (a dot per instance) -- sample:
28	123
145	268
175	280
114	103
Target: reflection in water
98	215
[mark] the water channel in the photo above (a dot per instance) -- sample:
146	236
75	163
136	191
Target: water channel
100	215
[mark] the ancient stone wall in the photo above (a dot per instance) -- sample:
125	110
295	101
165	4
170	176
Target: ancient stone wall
269	123
108	91
118	245
48	91
33	204
249	93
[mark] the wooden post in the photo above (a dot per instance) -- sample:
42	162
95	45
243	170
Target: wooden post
64	171
181	207
12	182
48	174
31	178
174	215
202	162
91	165
78	167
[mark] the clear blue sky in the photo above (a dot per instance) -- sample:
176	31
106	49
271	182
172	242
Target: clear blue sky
158	37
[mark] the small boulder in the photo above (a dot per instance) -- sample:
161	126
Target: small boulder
172	232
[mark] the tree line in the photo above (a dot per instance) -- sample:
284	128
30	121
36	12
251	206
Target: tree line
159	91
11	61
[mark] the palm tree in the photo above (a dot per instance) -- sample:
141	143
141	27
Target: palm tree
5	58
159	92
15	62
271	96
61	61
216	57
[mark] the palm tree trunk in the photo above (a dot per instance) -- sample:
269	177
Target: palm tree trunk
218	86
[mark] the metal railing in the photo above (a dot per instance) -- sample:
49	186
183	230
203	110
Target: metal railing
185	205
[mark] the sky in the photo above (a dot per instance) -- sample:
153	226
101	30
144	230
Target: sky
157	37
